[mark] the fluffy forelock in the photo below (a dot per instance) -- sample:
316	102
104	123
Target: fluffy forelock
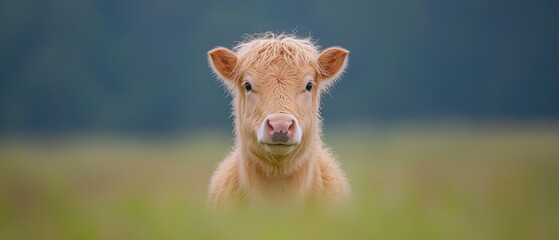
260	50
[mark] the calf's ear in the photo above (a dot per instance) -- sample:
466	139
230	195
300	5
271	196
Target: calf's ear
333	62
223	62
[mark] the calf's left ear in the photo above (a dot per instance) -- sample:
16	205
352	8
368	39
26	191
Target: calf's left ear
333	62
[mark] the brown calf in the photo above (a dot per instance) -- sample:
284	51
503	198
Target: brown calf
279	157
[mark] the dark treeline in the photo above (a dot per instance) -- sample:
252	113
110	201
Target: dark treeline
140	66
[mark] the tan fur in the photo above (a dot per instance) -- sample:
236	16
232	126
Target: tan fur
278	67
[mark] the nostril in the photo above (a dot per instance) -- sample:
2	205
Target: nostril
291	125
270	127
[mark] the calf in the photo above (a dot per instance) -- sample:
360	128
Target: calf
276	82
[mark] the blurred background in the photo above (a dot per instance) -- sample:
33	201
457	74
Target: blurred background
446	120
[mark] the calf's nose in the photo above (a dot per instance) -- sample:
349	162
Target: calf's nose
279	128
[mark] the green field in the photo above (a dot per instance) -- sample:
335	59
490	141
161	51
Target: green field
445	182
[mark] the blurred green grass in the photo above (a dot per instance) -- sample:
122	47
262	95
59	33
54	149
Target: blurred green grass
415	182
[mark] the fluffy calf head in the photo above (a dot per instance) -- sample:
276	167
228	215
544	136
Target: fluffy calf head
276	82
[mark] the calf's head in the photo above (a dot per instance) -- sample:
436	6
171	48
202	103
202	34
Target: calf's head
276	84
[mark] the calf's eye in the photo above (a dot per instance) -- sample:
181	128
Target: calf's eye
248	87
309	87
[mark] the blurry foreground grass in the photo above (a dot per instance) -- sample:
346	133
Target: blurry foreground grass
469	182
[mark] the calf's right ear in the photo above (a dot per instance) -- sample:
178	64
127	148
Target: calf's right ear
223	62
